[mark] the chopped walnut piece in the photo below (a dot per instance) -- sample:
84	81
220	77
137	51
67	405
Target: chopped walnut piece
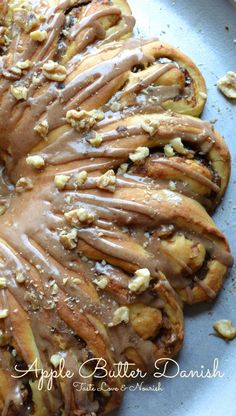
36	80
3	282
20	278
24	184
172	185
78	217
42	128
225	329
76	280
168	150
203	95
16	71
32	22
54	71
122	169
81	178
61	181
227	84
83	120
107	181
96	140
2	35
51	304
178	145
101	282
3	313
69	238
2	209
120	315
32	298
141	281
65	280
20	93
55	289
35	161
150	126
97	114
140	154
55	360
39	35
68	199
115	106
5	40
24	64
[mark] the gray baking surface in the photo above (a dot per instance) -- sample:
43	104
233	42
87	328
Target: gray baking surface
205	30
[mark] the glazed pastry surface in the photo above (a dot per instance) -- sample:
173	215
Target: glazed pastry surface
108	178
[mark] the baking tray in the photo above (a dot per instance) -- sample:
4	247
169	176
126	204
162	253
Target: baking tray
205	30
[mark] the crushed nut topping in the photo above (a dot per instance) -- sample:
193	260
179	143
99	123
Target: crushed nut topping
36	80
122	169
178	145
65	280
69	238
33	299
141	281
76	280
96	140
3	282
115	106
172	185
54	71
32	22
2	209
225	329
3	313
227	84
150	126
42	128
20	278
55	289
81	178
3	38
20	93
78	217
55	360
24	64
39	35
16	71
35	161
24	184
83	120
168	150
120	315
107	181
61	181
140	154
203	95
101	282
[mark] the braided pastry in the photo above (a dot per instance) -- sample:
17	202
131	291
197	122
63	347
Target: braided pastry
111	174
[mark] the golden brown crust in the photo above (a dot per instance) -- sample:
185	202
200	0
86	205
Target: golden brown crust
194	104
